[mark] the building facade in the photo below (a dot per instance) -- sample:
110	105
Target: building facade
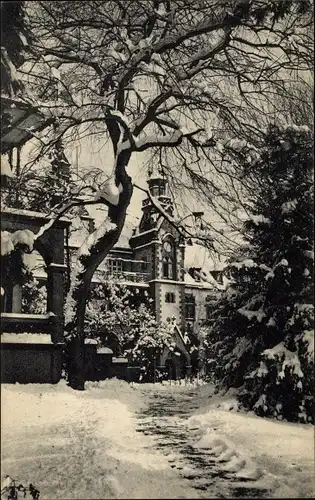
152	255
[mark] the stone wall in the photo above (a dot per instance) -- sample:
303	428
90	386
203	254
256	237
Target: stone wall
31	363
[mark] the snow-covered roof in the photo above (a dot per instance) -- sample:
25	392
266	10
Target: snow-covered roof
194	283
30	213
197	256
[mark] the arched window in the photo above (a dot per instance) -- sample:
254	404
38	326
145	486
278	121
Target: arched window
161	190
169	267
170	297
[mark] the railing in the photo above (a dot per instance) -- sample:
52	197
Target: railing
135	277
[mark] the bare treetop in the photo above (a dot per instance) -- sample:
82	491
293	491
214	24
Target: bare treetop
161	70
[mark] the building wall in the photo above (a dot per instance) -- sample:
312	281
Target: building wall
172	309
200	295
145	254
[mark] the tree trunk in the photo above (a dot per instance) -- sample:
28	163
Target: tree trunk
98	252
76	365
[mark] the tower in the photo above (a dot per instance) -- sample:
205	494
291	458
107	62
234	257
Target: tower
159	243
159	191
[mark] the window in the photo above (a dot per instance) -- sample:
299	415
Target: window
115	266
210	301
190	307
144	264
168	253
168	268
170	297
218	276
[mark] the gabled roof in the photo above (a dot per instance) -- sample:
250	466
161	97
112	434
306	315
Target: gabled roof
24	119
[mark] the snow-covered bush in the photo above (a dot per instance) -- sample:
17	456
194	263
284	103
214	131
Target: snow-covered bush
34	296
122	319
261	335
13	248
16	257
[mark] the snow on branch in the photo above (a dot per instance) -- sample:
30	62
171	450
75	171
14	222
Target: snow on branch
288	358
259	219
308	339
94	237
258	315
153	140
173	139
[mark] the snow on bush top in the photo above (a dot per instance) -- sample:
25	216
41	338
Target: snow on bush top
10	240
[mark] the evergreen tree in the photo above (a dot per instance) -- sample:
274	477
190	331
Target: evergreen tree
261	337
15	40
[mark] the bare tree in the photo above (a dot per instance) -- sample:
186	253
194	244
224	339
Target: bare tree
157	76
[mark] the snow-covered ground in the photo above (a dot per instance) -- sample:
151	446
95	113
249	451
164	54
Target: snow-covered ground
87	444
278	455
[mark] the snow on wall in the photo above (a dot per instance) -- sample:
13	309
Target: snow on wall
25	338
5	168
28	316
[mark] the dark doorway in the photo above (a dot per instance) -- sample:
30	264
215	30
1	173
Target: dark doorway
171	369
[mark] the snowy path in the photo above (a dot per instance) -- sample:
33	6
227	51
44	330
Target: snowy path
117	441
226	454
166	418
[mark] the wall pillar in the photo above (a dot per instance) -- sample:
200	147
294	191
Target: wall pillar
55	299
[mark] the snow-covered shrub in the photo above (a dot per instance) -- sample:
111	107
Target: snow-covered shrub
122	319
13	248
34	296
283	387
260	335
